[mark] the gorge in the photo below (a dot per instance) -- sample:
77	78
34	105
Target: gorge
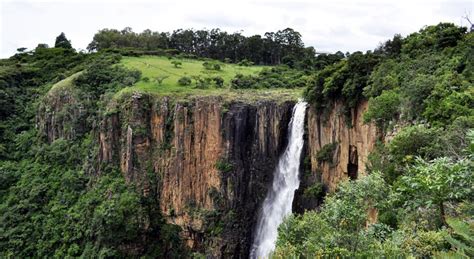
182	145
213	160
278	202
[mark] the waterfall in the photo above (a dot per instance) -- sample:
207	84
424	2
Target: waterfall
278	202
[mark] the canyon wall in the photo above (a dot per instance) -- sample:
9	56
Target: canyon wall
209	161
351	142
213	161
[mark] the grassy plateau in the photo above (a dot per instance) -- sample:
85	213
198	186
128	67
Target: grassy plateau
154	66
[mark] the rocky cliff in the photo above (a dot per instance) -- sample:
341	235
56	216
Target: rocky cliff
212	160
347	142
208	161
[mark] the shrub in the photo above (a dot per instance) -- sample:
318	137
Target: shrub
417	140
219	81
339	229
102	76
415	93
211	66
146	79
224	166
202	83
314	191
326	153
159	79
245	63
382	109
177	64
183	81
243	82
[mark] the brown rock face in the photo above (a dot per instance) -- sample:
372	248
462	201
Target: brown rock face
209	162
212	161
61	115
354	141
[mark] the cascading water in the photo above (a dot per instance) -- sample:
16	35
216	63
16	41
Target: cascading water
277	205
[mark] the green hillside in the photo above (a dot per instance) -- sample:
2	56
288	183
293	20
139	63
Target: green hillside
152	67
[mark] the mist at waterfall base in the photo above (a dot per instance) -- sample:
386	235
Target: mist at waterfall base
278	202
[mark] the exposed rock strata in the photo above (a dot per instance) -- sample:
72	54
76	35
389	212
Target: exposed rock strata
187	146
355	140
209	162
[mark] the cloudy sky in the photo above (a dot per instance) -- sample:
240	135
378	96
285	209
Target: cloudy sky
328	25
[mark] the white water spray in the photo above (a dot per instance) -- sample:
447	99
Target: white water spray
277	205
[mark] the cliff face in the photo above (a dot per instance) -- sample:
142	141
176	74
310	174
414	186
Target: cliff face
212	162
208	162
351	142
61	115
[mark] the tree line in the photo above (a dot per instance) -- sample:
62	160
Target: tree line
273	48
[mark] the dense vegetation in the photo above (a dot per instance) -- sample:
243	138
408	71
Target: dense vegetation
421	182
284	46
52	204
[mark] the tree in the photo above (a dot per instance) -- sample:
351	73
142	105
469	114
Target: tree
219	81
159	79
21	50
177	64
433	183
62	42
183	81
383	109
340	228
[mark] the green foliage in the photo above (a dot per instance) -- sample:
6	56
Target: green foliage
436	182
383	109
417	140
339	228
434	37
429	70
243	82
275	77
446	110
461	239
23	78
411	212
51	205
102	76
202	83
62	42
314	191
392	158
384	77
51	212
177	64
282	46
245	63
159	79
223	166
218	81
211	66
343	80
184	81
326	153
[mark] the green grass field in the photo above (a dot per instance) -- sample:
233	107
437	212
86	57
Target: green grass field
153	66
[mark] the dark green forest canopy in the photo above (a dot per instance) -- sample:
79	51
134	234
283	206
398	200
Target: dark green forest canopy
284	46
427	75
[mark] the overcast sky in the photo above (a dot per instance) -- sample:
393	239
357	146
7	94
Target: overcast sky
328	25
